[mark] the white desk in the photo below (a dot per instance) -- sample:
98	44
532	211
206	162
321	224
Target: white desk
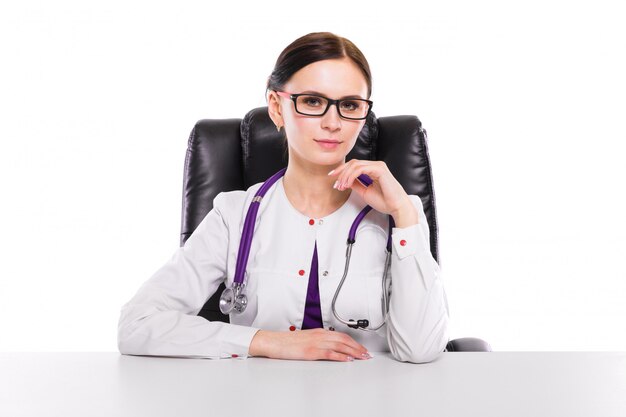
502	384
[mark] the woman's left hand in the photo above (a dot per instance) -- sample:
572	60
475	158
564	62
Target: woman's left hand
385	194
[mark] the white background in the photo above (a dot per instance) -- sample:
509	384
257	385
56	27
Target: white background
524	103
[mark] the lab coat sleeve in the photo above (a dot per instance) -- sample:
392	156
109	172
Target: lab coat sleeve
161	319
417	326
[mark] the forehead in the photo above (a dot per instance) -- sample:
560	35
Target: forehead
330	77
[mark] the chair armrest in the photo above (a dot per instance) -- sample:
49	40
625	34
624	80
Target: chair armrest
468	344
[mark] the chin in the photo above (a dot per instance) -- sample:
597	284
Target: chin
329	157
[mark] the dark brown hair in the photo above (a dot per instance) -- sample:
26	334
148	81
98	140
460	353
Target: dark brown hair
316	46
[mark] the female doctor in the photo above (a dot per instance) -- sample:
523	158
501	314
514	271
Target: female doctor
297	255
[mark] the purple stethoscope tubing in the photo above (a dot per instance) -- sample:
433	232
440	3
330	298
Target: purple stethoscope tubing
233	299
248	226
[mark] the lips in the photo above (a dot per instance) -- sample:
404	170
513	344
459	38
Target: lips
328	144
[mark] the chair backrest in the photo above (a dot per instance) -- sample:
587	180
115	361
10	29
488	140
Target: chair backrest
233	154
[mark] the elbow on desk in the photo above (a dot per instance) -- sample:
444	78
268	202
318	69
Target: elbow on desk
127	338
133	343
124	343
417	357
427	351
124	347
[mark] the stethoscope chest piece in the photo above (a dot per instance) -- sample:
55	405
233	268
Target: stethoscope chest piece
233	299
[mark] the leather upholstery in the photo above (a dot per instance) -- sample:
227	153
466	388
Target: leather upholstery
233	154
468	344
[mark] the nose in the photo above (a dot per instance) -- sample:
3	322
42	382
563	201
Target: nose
331	119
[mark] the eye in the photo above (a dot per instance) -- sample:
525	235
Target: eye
311	101
350	105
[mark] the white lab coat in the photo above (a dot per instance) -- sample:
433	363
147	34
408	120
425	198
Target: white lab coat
161	319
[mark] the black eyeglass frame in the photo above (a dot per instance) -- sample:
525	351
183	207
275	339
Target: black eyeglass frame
294	98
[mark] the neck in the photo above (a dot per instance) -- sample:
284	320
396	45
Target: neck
310	190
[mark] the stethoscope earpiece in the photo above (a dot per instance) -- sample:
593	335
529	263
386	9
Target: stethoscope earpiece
359	324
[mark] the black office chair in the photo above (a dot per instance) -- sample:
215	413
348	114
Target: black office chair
231	154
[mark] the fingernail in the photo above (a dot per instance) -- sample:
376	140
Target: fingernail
331	172
335	185
350	358
366	355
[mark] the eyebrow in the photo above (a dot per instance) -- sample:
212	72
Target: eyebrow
340	98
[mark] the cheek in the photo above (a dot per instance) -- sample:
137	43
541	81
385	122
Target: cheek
302	128
306	124
355	129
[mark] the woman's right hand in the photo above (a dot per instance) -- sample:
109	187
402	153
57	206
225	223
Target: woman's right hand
311	344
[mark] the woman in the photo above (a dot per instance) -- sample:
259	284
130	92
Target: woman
297	255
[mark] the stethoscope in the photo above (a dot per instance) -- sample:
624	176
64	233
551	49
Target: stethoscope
234	300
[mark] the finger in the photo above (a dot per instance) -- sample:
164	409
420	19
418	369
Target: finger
359	188
344	349
340	173
336	356
348	172
341	344
325	345
366	167
338	170
345	339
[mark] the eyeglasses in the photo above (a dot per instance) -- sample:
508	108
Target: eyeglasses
316	105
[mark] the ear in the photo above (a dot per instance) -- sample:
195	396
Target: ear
274	108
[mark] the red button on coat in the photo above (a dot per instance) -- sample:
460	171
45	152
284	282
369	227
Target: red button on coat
402	242
292	328
301	272
311	222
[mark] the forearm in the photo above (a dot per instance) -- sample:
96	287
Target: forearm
417	327
144	330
